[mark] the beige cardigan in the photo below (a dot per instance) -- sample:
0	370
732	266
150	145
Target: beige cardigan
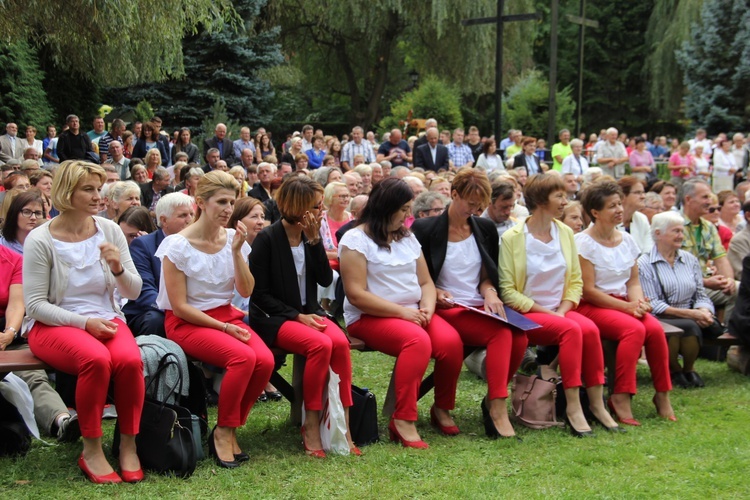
45	277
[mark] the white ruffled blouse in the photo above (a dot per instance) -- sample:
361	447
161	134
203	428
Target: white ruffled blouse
612	265
391	275
210	276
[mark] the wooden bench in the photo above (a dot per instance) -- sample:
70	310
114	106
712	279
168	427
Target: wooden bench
19	360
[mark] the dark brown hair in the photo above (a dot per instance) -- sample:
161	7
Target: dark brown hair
595	195
539	187
23	198
386	198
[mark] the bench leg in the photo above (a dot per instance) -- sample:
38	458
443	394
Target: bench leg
389	404
298	370
610	362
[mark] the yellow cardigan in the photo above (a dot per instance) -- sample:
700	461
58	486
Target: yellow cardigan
513	267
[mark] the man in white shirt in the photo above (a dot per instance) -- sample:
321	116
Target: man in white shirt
118	160
307	135
700	138
575	163
502	202
611	155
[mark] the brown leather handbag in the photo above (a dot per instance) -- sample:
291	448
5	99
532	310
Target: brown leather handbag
533	401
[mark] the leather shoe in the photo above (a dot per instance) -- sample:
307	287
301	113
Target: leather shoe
274	396
110	478
212	452
132	476
694	379
263	398
679	380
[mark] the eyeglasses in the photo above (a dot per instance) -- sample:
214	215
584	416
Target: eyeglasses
343	196
28	213
713	209
437	211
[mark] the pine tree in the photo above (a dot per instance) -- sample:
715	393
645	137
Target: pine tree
23	98
223	65
716	65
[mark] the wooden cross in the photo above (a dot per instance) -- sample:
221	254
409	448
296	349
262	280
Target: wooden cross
582	22
499	20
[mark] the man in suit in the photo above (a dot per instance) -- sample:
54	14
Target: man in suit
152	191
212	158
220	142
428	124
262	190
174	213
431	156
10	144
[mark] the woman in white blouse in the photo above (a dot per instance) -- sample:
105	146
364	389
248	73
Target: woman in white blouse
614	301
725	166
489	160
633	221
201	266
390	304
72	266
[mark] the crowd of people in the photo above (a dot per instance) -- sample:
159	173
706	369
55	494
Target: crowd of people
244	245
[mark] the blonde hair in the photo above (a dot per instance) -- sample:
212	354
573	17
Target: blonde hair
67	177
330	190
151	152
212	182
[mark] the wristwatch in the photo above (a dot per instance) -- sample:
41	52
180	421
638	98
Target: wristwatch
15	332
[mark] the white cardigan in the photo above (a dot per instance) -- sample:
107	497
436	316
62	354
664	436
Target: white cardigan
640	230
45	277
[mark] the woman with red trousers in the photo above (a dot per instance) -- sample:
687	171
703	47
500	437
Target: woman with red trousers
289	262
461	253
201	266
390	304
540	277
614	300
72	265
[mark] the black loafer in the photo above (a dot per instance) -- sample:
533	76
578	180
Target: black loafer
679	380
241	457
263	397
694	379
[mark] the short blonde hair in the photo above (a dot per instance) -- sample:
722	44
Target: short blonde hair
212	182
121	189
151	152
67	177
330	190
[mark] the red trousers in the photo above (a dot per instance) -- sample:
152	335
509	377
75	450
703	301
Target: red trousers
505	346
632	334
96	363
248	365
413	346
322	349
580	346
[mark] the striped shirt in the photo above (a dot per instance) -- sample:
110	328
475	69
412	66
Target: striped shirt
351	149
460	155
679	286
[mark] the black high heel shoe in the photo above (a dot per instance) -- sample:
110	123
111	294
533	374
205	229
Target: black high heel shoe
212	452
616	429
489	425
576	432
241	457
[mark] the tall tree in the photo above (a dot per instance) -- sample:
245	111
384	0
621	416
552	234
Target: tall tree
364	49
218	65
23	98
114	42
716	65
668	27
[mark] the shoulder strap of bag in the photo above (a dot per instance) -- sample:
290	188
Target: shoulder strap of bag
164	363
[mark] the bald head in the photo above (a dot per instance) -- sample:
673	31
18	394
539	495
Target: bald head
395	136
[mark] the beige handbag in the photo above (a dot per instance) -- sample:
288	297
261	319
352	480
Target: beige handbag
533	401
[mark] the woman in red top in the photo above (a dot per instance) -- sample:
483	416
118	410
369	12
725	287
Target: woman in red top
336	199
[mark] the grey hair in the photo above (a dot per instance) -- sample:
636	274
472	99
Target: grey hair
688	188
423	202
161	173
661	222
363	168
168	203
576	142
122	188
395	170
193	172
652	199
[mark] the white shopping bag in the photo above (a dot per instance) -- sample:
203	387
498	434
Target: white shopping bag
332	418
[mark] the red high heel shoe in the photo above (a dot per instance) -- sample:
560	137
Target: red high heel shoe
355	451
111	478
132	476
671	417
396	436
626	421
308	451
448	430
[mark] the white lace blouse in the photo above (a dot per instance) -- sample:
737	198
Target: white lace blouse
612	265
210	277
391	275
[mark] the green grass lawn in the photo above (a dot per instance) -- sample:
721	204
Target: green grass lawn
706	454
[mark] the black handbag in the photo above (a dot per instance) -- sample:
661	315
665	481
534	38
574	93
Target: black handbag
165	442
363	417
15	438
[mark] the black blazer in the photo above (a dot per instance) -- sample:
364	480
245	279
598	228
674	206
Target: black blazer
741	315
423	157
432	233
519	160
227	148
258	192
147	193
276	297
